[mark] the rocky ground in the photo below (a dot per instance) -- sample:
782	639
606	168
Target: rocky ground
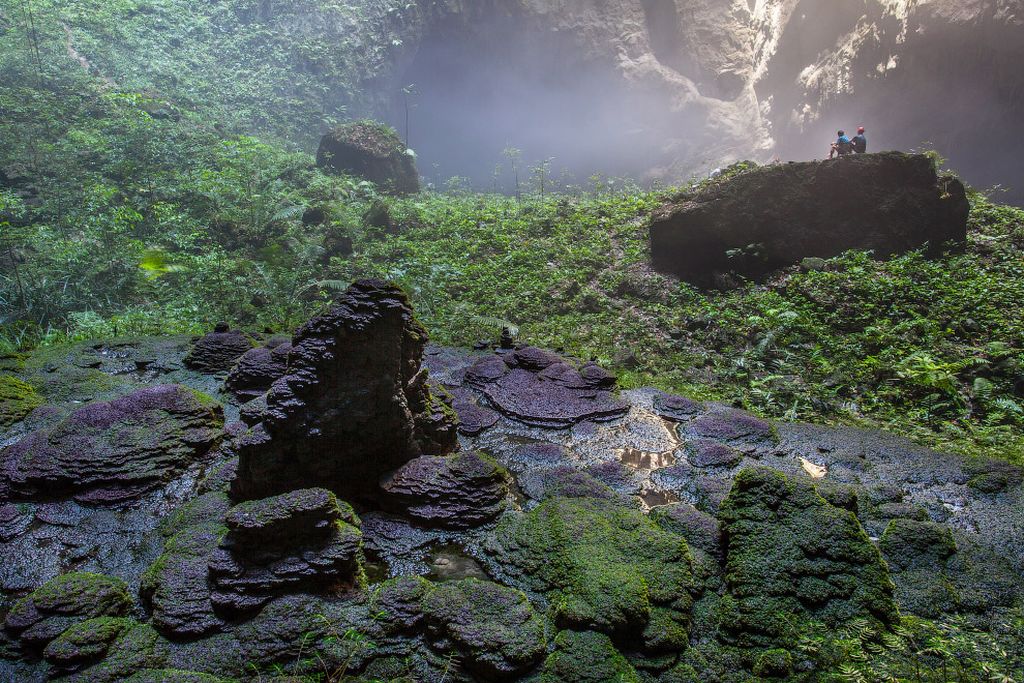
336	527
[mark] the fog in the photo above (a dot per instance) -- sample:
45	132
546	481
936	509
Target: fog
474	96
480	89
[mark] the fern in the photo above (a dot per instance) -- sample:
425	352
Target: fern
289	213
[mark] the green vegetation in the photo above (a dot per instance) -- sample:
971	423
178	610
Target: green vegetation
130	208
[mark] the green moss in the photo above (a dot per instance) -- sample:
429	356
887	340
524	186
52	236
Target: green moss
602	566
493	627
17	400
792	557
139	648
586	657
86	641
76	594
774	664
172	676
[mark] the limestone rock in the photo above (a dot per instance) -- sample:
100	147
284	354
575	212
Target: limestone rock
586	657
372	151
219	350
494	629
85	642
17	400
176	586
59	604
775	216
110	452
791	556
257	370
602	566
537	387
455	492
304	540
354	404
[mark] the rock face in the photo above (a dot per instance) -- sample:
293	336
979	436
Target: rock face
372	151
540	389
17	400
456	492
791	556
219	350
774	216
109	452
63	602
257	370
300	541
354	404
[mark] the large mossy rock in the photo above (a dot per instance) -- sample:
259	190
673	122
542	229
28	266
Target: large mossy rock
110	452
601	566
176	587
586	657
769	217
373	151
64	602
791	558
494	628
354	404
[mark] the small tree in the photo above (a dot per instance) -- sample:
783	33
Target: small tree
542	173
514	155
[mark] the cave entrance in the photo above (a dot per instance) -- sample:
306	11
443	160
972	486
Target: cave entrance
493	85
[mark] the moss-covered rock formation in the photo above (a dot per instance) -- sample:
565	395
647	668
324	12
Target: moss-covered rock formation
354	404
373	151
66	601
17	400
791	558
493	628
601	566
110	452
773	216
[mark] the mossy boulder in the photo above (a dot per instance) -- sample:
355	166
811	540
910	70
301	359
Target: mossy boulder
219	350
774	216
602	566
586	657
138	649
398	602
791	557
373	151
172	676
64	602
936	575
111	452
17	400
85	642
495	629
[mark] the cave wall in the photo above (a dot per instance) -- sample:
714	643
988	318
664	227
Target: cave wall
668	88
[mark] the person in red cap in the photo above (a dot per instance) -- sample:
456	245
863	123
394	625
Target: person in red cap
860	142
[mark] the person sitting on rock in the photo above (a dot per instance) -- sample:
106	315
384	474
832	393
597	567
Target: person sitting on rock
841	146
860	142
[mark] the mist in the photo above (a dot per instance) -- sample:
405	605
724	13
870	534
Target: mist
478	86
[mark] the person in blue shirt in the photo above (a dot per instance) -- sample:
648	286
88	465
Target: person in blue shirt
842	146
860	142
